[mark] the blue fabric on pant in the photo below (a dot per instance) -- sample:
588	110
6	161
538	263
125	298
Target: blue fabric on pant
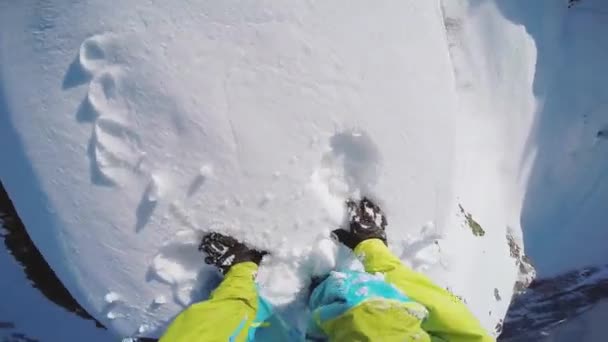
268	326
341	291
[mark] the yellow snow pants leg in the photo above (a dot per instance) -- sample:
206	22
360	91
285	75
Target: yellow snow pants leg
448	318
228	315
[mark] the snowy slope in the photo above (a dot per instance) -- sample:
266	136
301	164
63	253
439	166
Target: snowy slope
565	204
551	306
587	327
47	322
131	128
26	315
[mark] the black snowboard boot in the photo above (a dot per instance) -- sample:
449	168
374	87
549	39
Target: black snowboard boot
225	251
365	221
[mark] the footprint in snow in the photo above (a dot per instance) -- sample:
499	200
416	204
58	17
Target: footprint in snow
349	168
423	251
96	52
180	265
148	202
115	151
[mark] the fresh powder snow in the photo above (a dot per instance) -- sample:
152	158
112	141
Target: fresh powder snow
132	129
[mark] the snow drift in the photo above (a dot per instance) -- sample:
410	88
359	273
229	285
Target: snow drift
130	129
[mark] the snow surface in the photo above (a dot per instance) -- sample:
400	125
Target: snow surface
133	128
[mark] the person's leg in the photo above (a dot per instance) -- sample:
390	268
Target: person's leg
227	315
232	311
448	318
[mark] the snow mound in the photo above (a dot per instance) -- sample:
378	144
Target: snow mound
153	124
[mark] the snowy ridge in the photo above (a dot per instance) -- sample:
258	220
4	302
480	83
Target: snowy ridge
162	122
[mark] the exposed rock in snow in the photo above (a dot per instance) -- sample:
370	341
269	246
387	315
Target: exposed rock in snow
526	271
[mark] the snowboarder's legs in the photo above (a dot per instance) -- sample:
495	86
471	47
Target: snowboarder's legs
234	310
399	304
428	312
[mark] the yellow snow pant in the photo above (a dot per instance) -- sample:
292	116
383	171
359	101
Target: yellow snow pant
448	318
228	315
